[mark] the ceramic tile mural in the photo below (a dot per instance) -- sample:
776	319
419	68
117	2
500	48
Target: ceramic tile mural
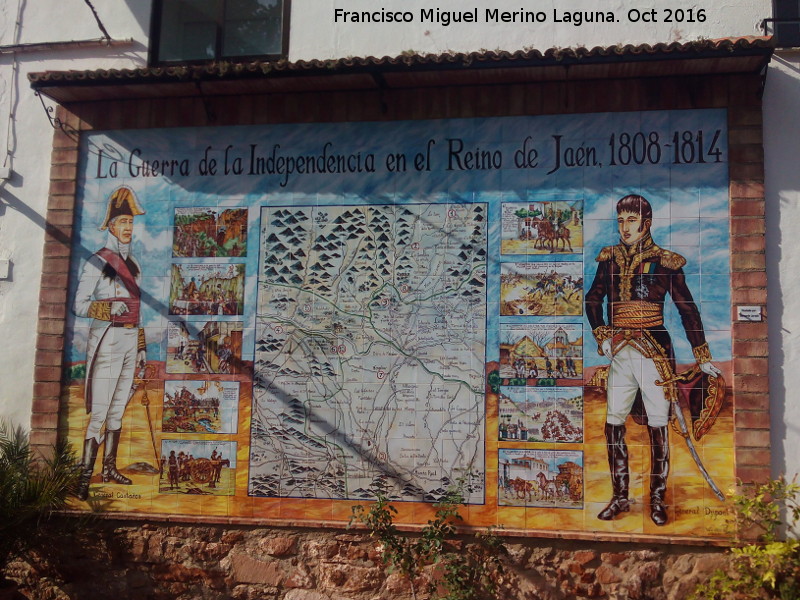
288	320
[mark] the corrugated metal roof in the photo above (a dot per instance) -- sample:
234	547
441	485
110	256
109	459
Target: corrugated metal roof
728	55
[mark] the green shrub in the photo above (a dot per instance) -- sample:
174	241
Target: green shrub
770	568
31	489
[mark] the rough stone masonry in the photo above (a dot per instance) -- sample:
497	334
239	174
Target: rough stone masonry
151	561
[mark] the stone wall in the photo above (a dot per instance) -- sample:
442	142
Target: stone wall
118	560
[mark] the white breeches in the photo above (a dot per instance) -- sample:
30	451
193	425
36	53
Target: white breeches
112	377
631	372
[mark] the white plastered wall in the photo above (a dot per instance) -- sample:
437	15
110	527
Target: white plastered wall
25	136
781	151
25	146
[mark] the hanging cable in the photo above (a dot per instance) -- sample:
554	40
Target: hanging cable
13	94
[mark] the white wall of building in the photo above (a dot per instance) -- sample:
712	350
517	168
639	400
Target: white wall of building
781	148
25	133
25	145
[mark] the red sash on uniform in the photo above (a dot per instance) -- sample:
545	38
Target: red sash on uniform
123	272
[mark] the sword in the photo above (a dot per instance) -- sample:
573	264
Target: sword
146	373
152	436
684	429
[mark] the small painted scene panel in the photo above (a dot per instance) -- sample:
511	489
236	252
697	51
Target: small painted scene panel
542	414
540	478
199	347
200	406
541	354
542	227
541	288
207	289
197	468
210	231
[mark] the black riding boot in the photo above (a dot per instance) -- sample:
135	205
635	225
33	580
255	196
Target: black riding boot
620	476
90	447
659	469
110	472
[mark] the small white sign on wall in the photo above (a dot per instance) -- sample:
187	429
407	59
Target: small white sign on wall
749	313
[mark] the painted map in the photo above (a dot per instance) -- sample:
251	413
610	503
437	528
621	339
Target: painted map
369	354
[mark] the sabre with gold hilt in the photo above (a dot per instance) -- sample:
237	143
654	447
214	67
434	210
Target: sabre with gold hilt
682	428
644	343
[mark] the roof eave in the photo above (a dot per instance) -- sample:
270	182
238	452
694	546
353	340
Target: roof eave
739	55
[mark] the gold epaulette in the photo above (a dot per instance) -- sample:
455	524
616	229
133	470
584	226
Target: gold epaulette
606	253
602	333
671	260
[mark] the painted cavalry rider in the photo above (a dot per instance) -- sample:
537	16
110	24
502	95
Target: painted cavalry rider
108	293
633	279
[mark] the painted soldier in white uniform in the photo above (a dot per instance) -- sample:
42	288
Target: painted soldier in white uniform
108	293
633	279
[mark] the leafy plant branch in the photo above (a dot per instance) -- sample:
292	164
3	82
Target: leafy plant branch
461	571
769	568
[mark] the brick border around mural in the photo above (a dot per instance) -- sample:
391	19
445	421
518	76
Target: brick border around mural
740	94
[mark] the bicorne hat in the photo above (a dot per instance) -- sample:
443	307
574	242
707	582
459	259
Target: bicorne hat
121	202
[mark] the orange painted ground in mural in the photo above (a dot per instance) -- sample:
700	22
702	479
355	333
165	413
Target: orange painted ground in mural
693	509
